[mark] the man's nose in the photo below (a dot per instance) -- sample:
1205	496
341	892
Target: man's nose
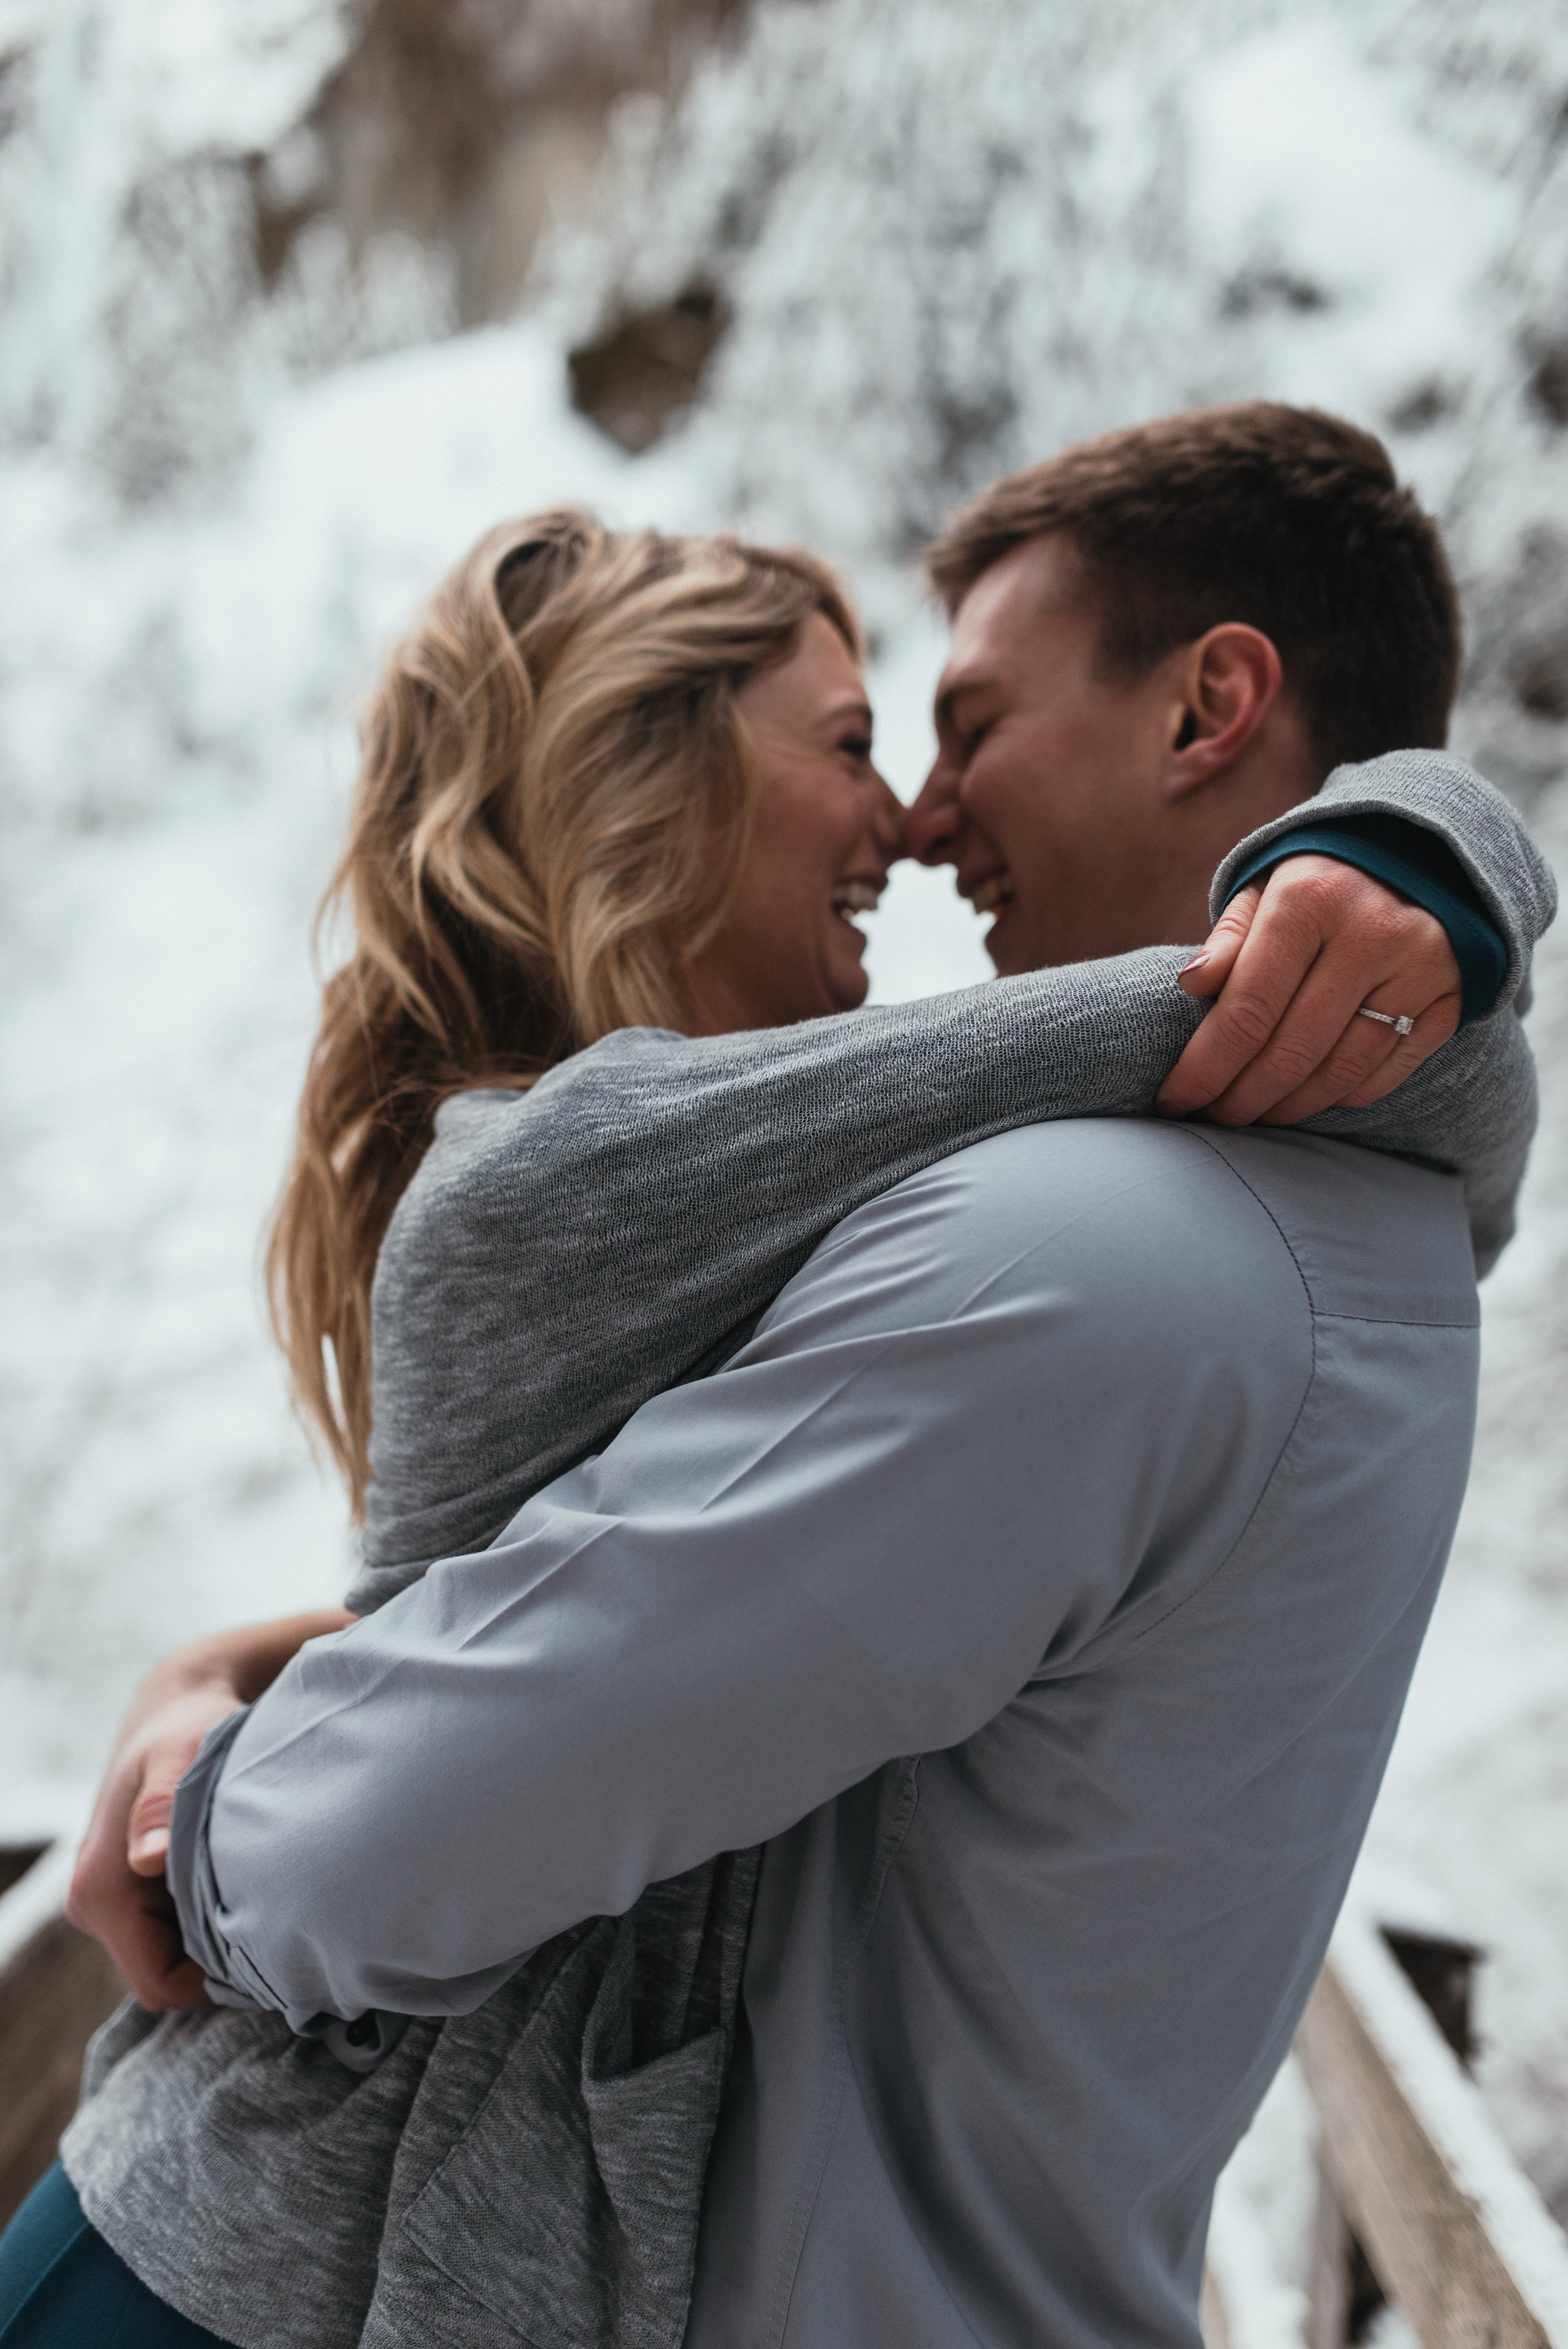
933	823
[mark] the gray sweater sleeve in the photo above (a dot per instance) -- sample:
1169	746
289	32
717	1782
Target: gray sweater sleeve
564	1254
1473	821
1472	1106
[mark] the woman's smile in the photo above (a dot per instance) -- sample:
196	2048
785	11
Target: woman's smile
857	895
825	831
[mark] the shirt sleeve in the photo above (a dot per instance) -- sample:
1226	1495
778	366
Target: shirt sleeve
934	1469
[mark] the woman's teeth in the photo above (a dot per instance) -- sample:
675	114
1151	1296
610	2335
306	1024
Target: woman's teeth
855	897
997	889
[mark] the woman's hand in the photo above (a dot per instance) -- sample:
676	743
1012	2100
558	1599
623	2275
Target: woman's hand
1291	964
118	1891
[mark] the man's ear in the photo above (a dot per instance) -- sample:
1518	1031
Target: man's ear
1226	684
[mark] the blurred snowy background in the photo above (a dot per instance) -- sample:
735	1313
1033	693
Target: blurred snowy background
295	297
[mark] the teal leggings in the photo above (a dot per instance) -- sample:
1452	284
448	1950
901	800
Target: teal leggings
61	2287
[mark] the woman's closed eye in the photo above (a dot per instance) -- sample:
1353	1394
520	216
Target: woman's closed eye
858	746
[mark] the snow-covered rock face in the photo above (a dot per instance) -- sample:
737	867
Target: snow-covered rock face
949	244
129	318
200	203
949	239
951	247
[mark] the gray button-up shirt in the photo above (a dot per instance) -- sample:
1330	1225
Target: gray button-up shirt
1042	1583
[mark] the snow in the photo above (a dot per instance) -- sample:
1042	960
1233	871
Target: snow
950	239
177	722
1299	148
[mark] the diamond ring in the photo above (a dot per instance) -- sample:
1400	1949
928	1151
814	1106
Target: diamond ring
1401	1026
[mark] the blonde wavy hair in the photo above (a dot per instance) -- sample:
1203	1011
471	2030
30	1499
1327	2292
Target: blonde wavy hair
553	802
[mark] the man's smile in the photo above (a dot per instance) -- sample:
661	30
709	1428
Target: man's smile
993	889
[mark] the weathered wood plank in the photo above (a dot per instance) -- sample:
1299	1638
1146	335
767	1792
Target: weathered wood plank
1342	2293
55	1987
1328	2271
1457	2236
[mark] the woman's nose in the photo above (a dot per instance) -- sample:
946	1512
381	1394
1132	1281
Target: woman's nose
888	819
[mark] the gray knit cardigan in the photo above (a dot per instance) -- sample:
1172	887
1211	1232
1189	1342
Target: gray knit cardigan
559	1258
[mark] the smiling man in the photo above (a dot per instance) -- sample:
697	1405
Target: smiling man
1162	640
1042	733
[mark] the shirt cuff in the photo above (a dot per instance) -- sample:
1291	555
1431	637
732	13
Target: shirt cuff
189	1869
1407	857
361	2042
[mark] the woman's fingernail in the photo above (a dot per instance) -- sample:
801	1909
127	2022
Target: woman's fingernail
1196	964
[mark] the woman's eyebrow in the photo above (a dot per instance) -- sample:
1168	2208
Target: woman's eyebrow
842	711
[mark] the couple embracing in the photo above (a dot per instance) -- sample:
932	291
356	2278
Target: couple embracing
893	1552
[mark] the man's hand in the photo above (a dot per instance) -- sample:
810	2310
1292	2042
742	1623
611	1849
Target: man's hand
117	1892
1291	964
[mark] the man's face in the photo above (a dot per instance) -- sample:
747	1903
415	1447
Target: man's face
1047	793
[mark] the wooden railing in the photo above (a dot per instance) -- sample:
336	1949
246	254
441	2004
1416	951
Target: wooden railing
56	1988
1421	2201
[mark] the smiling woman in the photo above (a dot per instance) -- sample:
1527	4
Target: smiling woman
561	829
824	832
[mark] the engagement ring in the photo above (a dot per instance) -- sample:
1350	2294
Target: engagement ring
1386	1020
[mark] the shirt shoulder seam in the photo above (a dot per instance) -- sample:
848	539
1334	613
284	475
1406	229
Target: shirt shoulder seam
1118	1648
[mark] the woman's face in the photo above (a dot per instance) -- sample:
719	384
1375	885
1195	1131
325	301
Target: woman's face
826	830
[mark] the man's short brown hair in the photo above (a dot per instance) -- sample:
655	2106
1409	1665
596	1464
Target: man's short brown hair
1282	517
